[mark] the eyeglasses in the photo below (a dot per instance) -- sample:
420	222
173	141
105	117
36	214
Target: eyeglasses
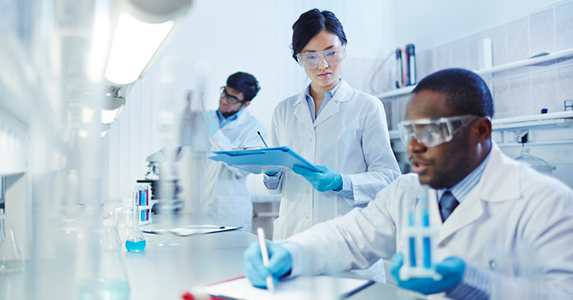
312	60
432	133
230	98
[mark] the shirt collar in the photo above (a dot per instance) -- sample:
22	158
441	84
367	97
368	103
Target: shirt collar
462	188
329	93
224	121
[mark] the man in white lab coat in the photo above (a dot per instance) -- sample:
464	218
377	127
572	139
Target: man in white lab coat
504	230
225	197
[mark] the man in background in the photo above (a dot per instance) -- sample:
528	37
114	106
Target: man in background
224	194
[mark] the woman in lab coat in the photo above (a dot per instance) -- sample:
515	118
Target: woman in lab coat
341	130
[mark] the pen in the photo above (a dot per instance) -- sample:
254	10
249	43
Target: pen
265	255
262	139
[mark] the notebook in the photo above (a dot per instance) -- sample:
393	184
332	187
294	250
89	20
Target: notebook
298	288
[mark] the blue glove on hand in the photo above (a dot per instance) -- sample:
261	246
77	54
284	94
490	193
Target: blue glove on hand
452	271
326	180
280	263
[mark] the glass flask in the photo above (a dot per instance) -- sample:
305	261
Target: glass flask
535	162
135	240
11	259
111	280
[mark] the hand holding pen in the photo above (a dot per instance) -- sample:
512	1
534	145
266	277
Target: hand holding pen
279	263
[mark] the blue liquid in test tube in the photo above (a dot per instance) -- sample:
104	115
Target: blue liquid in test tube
426	239
411	222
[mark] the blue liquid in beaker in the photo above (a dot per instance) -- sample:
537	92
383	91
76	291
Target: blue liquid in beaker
135	246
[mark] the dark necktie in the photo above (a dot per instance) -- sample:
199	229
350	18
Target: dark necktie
447	205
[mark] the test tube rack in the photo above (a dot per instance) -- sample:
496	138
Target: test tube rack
143	192
420	237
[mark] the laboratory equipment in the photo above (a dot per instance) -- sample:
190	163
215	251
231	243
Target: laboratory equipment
11	259
399	69
421	238
535	162
135	240
312	60
567	105
110	280
410	64
432	133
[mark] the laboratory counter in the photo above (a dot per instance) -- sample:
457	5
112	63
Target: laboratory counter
167	268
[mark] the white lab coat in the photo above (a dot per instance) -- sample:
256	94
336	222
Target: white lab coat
515	222
225	196
350	136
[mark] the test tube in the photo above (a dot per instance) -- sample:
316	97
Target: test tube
412	239
426	238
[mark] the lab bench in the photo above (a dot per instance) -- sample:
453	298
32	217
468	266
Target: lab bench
167	268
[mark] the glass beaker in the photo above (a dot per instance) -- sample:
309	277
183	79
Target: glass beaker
11	259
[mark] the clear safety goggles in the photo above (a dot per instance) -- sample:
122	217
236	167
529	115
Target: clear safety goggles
432	133
311	60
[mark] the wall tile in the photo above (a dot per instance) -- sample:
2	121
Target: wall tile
564	26
542	32
518	39
501	98
459	53
498	36
474	43
425	65
564	85
544	91
441	58
520	103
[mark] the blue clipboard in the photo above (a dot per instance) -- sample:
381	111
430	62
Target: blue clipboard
254	160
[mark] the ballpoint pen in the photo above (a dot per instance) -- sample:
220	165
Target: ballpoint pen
265	255
259	133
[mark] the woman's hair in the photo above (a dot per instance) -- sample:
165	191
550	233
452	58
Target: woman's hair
310	24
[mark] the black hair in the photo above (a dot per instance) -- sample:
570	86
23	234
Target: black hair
244	83
467	93
312	23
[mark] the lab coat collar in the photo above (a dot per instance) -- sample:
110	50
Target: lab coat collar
343	94
499	169
302	111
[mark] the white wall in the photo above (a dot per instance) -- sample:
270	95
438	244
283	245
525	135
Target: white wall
430	23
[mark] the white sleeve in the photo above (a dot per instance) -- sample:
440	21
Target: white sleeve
382	167
353	241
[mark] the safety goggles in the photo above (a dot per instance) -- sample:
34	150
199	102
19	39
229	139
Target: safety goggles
432	133
230	98
311	60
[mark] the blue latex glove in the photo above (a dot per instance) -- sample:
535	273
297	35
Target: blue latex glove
280	263
452	271
326	180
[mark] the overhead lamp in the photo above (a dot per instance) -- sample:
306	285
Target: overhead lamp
111	109
142	28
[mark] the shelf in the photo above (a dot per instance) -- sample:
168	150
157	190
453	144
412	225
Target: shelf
564	54
561	119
